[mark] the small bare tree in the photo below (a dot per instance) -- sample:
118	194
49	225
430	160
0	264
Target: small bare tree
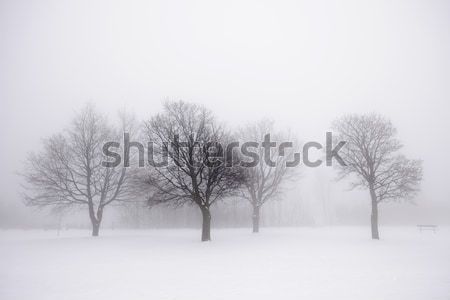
264	181
371	153
68	171
183	134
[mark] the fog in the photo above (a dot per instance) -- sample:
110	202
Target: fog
300	63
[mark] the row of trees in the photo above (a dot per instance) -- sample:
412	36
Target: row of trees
68	171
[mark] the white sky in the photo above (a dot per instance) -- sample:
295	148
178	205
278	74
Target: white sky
302	63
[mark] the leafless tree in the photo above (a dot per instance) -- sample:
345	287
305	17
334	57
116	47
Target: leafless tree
184	133
371	153
265	182
68	171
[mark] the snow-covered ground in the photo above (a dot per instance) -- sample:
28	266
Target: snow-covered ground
278	263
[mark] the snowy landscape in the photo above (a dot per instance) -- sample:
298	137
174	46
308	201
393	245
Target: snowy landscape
294	263
224	150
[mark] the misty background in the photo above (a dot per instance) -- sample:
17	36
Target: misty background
301	64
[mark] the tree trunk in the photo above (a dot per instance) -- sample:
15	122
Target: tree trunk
95	228
374	216
96	219
255	219
206	224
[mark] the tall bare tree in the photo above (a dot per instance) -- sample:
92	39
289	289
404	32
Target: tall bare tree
371	154
184	133
264	181
68	171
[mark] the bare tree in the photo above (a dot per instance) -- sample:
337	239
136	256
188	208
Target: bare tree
264	182
68	171
371	153
184	134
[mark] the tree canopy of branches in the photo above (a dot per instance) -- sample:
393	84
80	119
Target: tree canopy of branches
184	133
371	154
264	182
67	172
